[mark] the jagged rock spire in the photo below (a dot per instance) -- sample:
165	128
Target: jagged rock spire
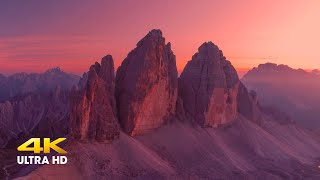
146	85
93	105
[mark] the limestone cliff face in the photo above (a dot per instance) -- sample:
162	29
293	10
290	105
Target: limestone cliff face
208	88
146	85
93	105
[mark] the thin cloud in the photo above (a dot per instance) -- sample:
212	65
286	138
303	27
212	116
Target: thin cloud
42	48
255	57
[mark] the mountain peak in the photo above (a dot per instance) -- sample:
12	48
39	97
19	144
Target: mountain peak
274	67
106	59
207	45
154	36
105	70
155	32
208	51
54	70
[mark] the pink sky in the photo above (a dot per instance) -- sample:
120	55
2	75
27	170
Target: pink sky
37	35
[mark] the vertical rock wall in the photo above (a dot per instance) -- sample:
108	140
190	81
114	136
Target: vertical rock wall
208	87
146	85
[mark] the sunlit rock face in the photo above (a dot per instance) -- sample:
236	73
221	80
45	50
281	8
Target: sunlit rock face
208	88
146	85
93	105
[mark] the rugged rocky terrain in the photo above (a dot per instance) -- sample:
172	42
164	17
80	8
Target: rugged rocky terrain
206	125
32	105
93	105
23	83
183	151
146	85
292	91
40	115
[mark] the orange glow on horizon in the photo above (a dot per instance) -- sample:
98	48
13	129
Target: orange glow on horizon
248	32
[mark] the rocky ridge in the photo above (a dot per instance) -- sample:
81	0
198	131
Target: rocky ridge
93	105
20	84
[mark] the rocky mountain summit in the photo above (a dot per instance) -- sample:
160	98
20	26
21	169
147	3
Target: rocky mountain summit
208	87
93	106
146	85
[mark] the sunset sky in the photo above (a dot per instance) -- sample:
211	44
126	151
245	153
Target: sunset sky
36	35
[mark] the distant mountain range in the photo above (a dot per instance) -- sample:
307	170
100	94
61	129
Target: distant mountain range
33	104
23	83
293	91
